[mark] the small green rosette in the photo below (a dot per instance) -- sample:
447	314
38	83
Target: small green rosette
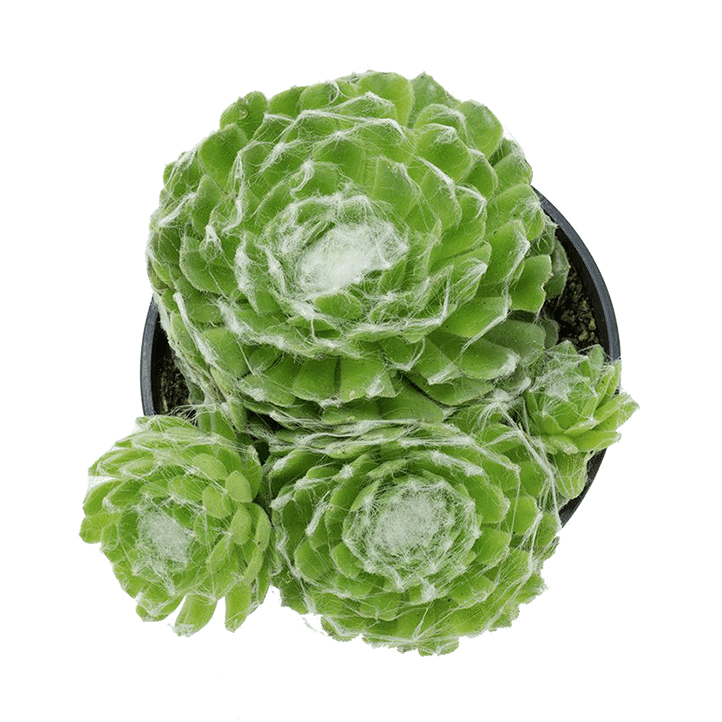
368	248
575	407
172	508
412	537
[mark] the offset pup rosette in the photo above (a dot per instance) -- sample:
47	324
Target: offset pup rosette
368	248
575	407
412	537
172	507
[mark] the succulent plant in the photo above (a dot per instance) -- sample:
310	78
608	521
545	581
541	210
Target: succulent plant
412	536
356	250
353	277
575	408
172	507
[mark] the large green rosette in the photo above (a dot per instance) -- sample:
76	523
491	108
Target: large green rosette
172	508
368	248
412	537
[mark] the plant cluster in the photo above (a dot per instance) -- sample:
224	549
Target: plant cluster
352	277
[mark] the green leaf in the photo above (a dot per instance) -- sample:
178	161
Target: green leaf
523	337
392	184
93	503
209	466
263	388
241	526
316	379
510	165
438	192
560	270
471	589
286	102
572	474
368	105
346	152
410	404
519	202
527	292
509	245
482	176
218	152
216	503
195	613
342	305
361	378
611	415
124	495
484	129
91	528
246	113
491	504
220	555
320	95
238	604
262	534
226	348
523	514
596	440
476	318
187	487
428	92
456	392
310	564
442	146
394	88
486	360
238	487
345	561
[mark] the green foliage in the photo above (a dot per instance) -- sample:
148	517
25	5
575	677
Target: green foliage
575	408
412	537
172	508
352	276
573	404
331	251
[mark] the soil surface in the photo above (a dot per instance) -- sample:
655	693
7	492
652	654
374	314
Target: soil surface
572	310
172	390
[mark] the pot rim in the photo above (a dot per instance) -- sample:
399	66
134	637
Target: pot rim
154	337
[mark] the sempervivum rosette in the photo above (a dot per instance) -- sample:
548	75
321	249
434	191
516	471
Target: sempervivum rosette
412	537
362	249
575	407
172	508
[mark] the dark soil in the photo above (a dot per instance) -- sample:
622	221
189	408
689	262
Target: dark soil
170	388
573	312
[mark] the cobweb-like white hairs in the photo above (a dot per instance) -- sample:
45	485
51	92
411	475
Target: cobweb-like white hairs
162	540
413	536
575	407
352	251
357	270
570	387
345	254
172	507
409	531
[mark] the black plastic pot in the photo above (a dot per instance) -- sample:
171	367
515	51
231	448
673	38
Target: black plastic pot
156	355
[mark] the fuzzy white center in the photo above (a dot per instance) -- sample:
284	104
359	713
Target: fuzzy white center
164	537
407	523
345	254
